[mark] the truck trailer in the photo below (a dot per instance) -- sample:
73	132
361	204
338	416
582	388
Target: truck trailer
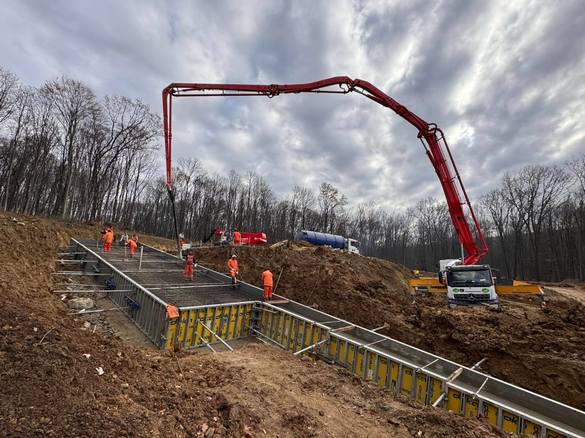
331	240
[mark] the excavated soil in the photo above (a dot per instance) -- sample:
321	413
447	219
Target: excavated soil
50	384
539	348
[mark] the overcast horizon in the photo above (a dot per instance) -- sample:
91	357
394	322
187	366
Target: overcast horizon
504	80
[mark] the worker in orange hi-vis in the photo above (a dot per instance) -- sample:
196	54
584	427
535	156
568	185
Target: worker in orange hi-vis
237	237
189	265
132	245
267	282
108	240
233	269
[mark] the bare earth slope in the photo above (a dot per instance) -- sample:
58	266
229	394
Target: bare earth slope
539	349
48	387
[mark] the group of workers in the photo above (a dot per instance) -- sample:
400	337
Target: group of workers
233	270
108	239
267	278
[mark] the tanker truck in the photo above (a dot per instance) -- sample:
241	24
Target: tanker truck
332	240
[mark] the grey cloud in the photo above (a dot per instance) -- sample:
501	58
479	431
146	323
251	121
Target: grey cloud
503	79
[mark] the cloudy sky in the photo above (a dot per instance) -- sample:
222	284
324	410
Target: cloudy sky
505	80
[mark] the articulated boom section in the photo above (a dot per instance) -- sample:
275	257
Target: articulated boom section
430	135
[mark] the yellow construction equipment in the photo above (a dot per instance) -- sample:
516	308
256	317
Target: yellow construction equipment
433	285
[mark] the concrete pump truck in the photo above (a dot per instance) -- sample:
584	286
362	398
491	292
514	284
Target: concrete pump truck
467	281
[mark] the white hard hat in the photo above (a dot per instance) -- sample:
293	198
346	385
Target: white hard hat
234	256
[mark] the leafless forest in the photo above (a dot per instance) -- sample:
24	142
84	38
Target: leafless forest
66	152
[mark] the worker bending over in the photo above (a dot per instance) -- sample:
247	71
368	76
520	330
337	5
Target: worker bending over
189	265
132	245
108	239
267	282
237	237
233	269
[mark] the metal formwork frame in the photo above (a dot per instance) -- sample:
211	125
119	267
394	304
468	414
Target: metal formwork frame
150	318
402	368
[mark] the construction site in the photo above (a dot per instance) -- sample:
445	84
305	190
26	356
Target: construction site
197	271
159	334
360	346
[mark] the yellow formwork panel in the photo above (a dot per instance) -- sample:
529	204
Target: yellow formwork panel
342	350
264	322
359	363
294	333
198	327
209	323
191	328
350	355
245	318
510	422
421	388
394	371
225	322
286	331
182	325
491	413
407	380
436	390
316	335
291	333
471	406
530	429
382	371
231	329
300	336
308	335
371	369
454	401
171	330
332	348
280	328
216	322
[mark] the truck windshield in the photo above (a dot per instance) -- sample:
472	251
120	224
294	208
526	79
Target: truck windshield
469	278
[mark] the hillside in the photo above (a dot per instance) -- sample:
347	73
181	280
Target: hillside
542	349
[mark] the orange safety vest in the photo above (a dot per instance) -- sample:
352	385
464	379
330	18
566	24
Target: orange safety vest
132	245
189	260
267	278
237	237
233	265
109	237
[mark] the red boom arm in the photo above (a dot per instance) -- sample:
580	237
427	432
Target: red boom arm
430	135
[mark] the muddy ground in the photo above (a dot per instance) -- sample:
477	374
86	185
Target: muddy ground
50	384
542	349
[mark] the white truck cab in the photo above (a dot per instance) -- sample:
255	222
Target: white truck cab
468	284
352	246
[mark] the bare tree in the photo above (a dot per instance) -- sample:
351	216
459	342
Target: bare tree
330	200
8	93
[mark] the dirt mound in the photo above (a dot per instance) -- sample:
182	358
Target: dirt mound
539	349
59	379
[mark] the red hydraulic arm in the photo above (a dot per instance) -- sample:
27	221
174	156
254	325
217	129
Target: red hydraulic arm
430	135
